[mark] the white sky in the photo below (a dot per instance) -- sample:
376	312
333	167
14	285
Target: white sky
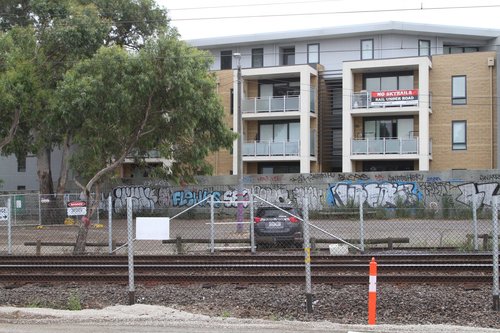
191	19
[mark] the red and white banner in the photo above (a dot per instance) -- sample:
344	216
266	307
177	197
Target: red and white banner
394	97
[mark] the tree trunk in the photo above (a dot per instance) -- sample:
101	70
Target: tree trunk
81	239
50	210
63	177
44	171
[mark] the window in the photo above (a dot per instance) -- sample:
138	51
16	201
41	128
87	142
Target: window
459	90
279	132
226	59
257	58
424	47
21	163
452	49
388	81
459	135
288	56
366	49
313	53
21	187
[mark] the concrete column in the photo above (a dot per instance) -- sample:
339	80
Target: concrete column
235	120
423	115
305	121
347	122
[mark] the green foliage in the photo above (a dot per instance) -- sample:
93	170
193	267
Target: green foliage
74	303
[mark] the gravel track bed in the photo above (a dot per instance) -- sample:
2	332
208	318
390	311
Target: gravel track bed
396	304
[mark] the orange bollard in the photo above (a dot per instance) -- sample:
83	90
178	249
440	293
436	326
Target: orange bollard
372	293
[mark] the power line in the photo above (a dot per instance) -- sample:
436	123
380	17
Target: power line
332	13
251	5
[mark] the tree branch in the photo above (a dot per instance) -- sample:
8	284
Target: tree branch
126	150
12	130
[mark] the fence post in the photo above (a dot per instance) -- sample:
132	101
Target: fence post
496	303
252	225
130	248
212	225
110	224
9	226
307	254
474	220
39	209
361	226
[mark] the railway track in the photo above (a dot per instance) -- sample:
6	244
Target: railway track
277	269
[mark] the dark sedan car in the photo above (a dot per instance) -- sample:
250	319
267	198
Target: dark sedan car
273	225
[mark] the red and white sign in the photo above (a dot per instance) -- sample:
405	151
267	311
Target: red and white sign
76	208
394	97
71	204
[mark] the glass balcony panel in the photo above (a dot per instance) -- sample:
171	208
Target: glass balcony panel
262	148
392	146
277	148
277	104
292	103
248	105
359	146
292	148
262	105
375	146
409	146
249	149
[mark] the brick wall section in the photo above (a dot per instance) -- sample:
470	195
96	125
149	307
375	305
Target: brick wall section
222	161
477	112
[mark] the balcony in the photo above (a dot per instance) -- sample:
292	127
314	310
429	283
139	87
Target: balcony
383	146
270	104
271	148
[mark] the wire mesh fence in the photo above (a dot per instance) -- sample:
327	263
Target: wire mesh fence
33	224
44	225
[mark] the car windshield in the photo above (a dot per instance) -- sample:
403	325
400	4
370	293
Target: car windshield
274	212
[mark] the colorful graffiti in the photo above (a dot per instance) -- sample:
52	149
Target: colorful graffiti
322	191
375	194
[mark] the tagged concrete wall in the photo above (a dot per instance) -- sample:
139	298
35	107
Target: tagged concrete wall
324	190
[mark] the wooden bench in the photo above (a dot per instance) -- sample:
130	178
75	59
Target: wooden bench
179	241
369	241
39	245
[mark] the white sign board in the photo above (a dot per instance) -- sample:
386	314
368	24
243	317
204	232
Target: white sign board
152	228
77	211
4	213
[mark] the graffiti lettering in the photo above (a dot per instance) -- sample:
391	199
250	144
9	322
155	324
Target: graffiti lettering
384	194
344	177
412	177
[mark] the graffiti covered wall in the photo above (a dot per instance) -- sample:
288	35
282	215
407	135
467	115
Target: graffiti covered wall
324	191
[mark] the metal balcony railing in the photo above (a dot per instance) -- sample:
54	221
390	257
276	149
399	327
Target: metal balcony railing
270	104
271	148
396	146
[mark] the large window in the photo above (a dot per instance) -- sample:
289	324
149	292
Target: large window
424	47
459	135
313	53
257	58
459	90
367	51
288	56
453	49
226	59
376	128
279	132
388	81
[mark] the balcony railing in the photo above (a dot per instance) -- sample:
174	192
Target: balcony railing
270	104
385	146
271	148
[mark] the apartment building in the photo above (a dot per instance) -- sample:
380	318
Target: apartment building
377	97
372	97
